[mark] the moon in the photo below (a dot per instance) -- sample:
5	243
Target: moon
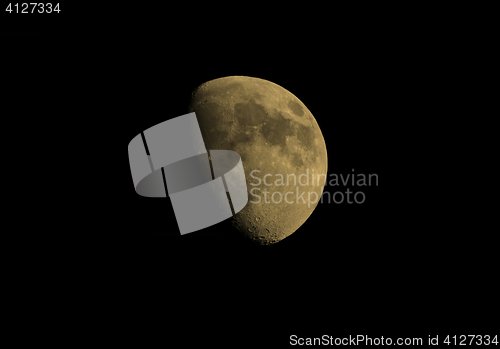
281	146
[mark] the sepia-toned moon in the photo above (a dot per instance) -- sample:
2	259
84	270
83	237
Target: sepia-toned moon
275	134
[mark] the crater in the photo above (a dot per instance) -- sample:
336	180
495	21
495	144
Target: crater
215	89
305	135
296	108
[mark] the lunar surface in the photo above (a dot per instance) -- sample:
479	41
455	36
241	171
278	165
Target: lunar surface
278	140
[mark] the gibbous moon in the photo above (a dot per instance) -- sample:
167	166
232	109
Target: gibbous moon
278	140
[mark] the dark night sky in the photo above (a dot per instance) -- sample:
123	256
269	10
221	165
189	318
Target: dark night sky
416	257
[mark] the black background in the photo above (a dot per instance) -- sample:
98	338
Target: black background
384	85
